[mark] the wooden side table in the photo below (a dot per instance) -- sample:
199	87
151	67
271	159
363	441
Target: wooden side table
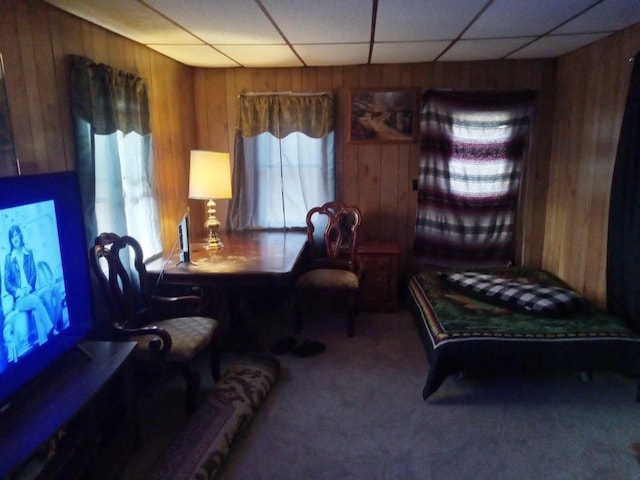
379	286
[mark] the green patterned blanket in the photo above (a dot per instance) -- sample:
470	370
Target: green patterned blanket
462	333
449	314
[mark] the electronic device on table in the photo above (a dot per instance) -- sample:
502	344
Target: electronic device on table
184	233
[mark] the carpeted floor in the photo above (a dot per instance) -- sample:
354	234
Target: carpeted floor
355	411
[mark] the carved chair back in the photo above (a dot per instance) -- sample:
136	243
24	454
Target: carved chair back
332	231
118	263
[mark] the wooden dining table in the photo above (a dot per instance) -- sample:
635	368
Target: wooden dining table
248	258
250	264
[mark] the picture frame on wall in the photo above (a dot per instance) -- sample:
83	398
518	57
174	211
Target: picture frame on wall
383	115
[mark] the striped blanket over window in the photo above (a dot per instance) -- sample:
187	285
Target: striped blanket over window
473	147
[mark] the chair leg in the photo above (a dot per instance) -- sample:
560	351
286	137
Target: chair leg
191	376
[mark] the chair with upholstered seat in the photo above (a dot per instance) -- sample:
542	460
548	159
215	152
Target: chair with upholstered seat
168	330
333	267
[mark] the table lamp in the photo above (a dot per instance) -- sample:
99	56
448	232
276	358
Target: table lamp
209	178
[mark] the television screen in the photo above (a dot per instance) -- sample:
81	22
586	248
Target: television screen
45	294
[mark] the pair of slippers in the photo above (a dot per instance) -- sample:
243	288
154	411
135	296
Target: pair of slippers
305	349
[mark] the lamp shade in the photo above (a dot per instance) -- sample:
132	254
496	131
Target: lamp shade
209	175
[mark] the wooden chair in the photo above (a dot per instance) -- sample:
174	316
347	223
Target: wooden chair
333	267
168	330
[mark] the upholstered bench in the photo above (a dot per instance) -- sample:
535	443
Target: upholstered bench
200	448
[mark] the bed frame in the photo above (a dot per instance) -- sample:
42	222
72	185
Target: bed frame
461	333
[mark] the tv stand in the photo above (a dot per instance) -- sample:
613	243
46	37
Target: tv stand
85	351
65	408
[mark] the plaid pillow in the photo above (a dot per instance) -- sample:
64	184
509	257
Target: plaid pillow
532	298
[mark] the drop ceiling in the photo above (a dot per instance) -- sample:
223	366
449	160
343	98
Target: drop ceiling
295	33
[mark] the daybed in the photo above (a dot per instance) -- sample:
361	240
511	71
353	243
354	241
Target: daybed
487	319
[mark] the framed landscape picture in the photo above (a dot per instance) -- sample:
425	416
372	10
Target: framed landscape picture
383	115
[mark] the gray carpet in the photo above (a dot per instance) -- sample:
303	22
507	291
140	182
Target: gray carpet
356	411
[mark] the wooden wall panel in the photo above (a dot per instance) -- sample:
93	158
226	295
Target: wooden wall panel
63	39
378	177
35	39
212	134
578	114
592	85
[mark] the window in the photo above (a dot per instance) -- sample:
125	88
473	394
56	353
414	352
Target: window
124	200
285	164
114	154
289	176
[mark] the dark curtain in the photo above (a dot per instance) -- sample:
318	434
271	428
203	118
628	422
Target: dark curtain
473	147
623	248
107	98
103	100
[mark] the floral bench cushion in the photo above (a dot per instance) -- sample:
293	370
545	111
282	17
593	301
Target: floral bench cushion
201	447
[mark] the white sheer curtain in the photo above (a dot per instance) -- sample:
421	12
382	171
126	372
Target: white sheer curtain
285	178
124	199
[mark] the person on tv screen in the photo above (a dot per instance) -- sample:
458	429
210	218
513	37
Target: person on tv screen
20	282
4	356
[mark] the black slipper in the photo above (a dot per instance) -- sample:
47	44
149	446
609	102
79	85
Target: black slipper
284	345
308	348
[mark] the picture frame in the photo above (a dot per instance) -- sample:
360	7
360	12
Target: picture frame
383	115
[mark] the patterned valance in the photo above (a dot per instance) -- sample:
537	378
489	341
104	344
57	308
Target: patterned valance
281	114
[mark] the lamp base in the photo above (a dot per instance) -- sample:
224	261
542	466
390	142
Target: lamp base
212	223
213	241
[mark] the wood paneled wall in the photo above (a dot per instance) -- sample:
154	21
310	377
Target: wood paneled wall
378	177
591	92
35	39
578	114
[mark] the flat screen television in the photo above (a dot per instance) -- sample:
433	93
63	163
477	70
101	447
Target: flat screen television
46	305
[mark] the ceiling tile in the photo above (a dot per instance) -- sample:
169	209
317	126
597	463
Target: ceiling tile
608	16
413	20
490	49
261	55
554	45
233	22
195	55
338	32
407	52
521	18
128	18
313	21
334	54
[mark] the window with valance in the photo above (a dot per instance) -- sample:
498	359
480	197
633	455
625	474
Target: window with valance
284	159
114	152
